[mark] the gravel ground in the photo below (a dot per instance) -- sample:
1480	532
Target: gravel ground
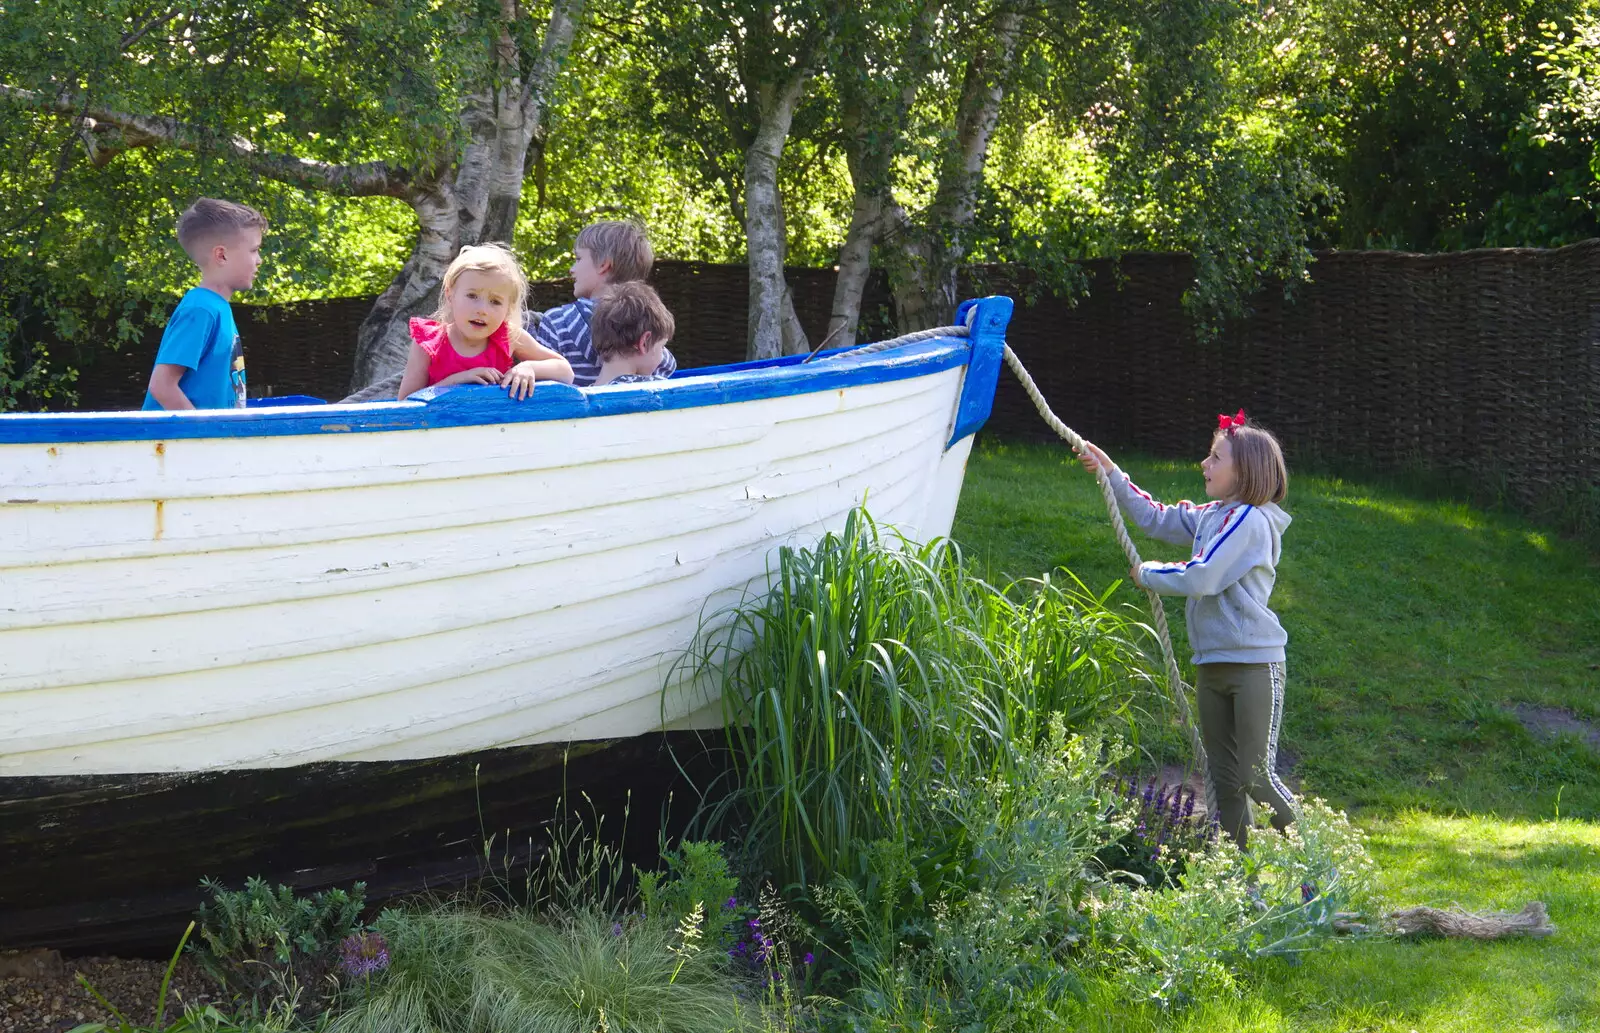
50	999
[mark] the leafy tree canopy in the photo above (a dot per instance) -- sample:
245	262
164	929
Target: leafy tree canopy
1243	132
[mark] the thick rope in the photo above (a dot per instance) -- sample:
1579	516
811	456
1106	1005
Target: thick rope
895	342
1175	683
1178	689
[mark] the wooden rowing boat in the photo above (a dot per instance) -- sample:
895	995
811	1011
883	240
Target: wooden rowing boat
328	642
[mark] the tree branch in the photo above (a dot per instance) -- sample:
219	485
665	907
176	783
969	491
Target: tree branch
558	33
120	130
161	19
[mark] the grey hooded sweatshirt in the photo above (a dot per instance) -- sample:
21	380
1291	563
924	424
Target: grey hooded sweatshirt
1228	580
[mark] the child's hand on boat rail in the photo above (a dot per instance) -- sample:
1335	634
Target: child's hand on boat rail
518	381
475	375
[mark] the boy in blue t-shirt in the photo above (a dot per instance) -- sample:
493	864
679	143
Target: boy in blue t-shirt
200	364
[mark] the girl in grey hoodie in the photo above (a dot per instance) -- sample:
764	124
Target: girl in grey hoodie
1238	642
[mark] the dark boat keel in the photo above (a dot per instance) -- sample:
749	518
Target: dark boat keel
114	862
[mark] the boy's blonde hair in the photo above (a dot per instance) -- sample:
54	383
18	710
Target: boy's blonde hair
1258	462
623	244
209	218
623	313
495	260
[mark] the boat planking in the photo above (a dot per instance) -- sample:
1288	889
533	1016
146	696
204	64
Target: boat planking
321	643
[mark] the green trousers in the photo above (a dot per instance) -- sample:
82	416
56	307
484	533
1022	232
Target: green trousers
1241	712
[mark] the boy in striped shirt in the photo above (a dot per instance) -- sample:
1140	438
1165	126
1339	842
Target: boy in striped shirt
605	253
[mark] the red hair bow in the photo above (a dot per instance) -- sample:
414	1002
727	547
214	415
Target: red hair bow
1230	423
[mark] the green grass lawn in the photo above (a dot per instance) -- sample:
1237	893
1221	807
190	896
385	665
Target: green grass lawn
1414	626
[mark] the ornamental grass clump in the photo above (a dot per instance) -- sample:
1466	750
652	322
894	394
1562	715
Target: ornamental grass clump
459	969
876	673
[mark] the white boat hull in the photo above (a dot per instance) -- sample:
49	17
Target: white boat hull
390	596
213	625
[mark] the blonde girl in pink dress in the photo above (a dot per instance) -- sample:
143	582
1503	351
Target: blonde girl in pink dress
476	336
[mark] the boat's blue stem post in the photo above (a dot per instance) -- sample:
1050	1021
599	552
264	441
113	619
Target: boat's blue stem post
986	320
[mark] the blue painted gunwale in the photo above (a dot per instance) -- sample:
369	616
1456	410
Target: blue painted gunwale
480	405
986	320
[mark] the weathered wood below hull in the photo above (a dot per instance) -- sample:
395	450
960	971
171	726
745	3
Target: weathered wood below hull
113	862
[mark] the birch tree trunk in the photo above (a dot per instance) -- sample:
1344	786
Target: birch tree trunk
873	134
480	202
855	266
923	270
458	199
383	342
774	327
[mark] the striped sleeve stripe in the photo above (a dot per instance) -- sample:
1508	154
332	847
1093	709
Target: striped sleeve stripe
1226	534
1162	506
1178	568
1158	503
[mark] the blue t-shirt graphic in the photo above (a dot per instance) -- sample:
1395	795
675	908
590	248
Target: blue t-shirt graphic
201	337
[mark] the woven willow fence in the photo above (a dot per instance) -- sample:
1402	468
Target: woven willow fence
1482	366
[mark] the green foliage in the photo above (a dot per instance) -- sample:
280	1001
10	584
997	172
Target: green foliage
269	945
1034	923
206	1019
578	866
1178	127
1178	944
1241	132
475	971
1445	600
604	157
898	725
986	947
27	374
696	879
86	212
1457	124
1164	829
876	672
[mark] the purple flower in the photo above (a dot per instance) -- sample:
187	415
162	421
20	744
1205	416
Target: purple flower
363	954
732	903
616	928
754	923
809	958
